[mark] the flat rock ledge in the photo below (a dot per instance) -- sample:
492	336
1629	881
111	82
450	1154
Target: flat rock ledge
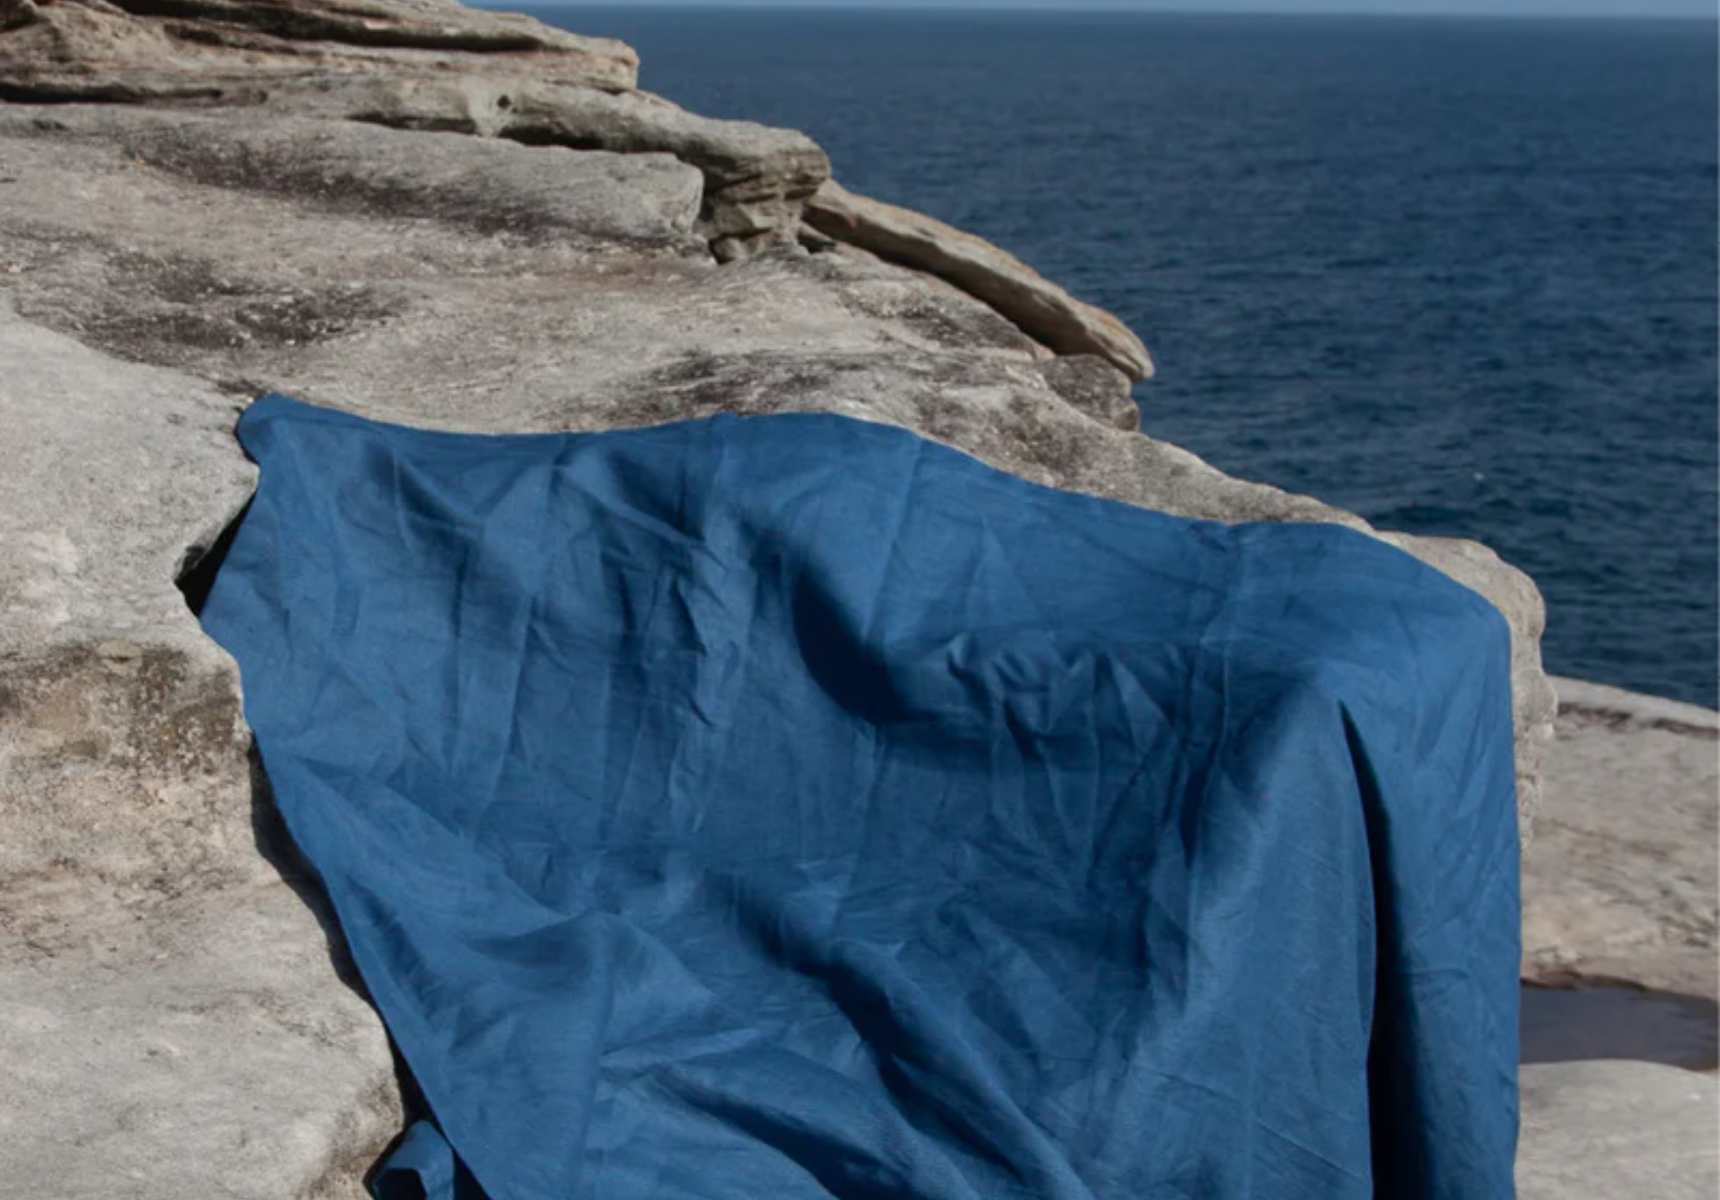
1621	895
434	65
1606	1130
232	52
1623	879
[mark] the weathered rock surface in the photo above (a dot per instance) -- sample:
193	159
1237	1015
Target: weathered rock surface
1618	1129
231	52
756	179
418	64
169	1021
433	65
1038	307
1623	879
1094	386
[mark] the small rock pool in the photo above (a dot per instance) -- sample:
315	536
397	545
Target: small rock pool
1562	1024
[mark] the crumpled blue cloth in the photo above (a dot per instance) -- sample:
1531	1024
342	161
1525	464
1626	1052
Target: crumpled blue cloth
791	807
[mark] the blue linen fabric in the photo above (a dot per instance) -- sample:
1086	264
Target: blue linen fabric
790	807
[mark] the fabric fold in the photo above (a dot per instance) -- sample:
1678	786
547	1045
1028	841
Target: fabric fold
791	807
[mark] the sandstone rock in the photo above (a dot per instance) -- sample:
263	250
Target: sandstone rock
170	1024
756	178
1623	879
1095	387
1617	1129
432	65
229	51
613	204
1039	307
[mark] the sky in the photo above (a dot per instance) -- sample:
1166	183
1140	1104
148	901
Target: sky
1516	8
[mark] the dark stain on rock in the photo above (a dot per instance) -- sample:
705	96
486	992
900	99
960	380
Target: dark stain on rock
143	336
304	317
702	385
283	170
157	307
1095	387
1062	449
950	321
191	720
961	326
140	706
175	278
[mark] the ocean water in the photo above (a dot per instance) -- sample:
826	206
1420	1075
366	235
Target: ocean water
1458	276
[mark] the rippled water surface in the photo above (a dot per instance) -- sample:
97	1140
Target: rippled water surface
1457	276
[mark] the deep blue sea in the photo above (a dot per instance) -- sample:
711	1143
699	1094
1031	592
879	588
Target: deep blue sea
1458	276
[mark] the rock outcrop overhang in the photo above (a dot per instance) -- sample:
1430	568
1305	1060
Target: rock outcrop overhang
448	218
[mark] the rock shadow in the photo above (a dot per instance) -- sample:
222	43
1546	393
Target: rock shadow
274	841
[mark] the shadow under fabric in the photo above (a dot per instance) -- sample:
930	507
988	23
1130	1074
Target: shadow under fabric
789	807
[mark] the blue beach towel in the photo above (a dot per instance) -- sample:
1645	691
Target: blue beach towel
790	807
